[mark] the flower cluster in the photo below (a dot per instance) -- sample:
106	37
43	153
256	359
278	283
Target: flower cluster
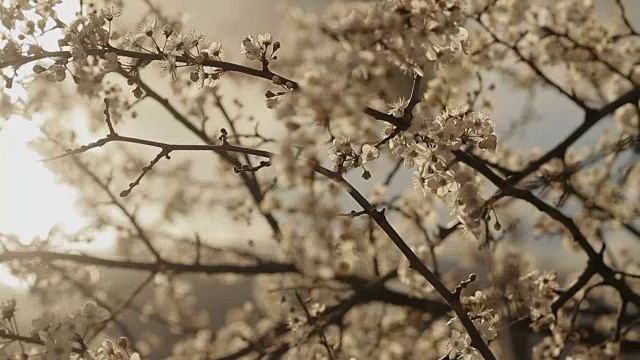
429	143
27	16
108	350
340	152
484	320
343	157
257	49
85	33
542	292
58	332
409	33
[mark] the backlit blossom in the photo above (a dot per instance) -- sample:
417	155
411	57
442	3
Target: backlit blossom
457	343
265	39
110	11
369	153
251	48
148	26
396	108
214	51
169	67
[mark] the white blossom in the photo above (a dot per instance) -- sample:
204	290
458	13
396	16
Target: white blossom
457	343
110	11
369	153
251	48
396	108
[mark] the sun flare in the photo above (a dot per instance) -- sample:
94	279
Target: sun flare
32	202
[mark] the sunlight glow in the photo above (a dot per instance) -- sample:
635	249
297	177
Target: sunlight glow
8	279
32	202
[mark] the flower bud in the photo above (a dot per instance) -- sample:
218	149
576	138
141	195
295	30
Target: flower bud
167	30
38	69
137	92
123	342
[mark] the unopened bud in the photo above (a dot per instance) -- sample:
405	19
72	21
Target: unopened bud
167	30
123	342
137	92
38	69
